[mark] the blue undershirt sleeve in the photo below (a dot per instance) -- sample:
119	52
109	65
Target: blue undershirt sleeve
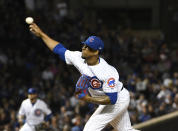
48	117
60	50
113	97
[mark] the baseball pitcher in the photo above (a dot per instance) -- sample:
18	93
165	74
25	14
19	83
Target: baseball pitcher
99	82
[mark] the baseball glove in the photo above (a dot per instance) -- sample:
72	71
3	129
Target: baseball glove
82	86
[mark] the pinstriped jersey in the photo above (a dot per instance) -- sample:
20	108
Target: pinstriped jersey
34	113
104	77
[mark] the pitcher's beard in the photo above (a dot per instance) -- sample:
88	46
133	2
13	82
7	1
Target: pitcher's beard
83	57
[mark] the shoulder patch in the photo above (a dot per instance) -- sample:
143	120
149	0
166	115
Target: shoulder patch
111	82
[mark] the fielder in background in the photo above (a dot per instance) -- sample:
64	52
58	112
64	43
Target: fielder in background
33	114
98	78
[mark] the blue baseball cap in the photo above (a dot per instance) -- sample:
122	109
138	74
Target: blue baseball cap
32	91
95	43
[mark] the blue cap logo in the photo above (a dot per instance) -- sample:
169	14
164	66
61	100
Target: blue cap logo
95	43
91	39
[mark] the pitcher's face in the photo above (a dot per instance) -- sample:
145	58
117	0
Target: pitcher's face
88	52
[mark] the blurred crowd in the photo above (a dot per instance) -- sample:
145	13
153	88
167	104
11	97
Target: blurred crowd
148	67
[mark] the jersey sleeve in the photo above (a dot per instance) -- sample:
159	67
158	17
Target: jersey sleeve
60	50
46	110
70	57
110	86
73	57
22	110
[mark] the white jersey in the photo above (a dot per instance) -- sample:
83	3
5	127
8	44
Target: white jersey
104	81
34	113
105	77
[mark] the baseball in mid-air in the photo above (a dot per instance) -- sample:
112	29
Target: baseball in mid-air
29	20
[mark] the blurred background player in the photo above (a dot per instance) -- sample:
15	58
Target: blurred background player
105	88
33	112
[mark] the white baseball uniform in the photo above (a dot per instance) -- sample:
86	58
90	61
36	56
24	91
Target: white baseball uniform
34	113
105	80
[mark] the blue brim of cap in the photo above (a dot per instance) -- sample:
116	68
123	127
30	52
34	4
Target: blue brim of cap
86	44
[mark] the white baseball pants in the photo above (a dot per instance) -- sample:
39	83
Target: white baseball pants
27	127
117	115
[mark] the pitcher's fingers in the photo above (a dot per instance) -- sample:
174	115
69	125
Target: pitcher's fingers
31	30
34	25
31	26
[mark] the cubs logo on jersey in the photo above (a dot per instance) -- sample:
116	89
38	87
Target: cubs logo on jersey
111	82
95	83
91	39
38	112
